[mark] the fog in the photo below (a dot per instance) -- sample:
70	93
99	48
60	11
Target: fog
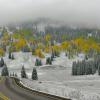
72	12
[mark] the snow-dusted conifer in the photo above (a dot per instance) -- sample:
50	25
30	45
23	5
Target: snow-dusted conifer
4	71
23	73
34	74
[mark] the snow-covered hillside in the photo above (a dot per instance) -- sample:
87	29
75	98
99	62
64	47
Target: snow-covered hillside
86	88
28	61
56	78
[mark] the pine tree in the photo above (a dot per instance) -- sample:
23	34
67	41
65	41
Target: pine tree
84	67
23	73
34	74
51	58
40	63
66	54
4	71
56	53
93	67
74	68
78	68
1	62
86	57
48	61
26	48
37	62
99	69
52	54
10	55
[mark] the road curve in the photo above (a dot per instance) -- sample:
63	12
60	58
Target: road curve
11	90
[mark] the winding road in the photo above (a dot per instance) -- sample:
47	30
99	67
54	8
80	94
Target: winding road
9	90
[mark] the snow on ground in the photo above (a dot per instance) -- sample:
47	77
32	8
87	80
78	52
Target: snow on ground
21	58
75	90
56	79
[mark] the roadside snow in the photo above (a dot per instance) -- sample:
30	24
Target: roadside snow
56	78
62	90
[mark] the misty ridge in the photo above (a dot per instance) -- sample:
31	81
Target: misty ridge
73	13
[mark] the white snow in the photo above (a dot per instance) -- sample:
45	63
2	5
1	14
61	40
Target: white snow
56	79
76	90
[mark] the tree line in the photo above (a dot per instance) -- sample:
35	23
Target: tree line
86	67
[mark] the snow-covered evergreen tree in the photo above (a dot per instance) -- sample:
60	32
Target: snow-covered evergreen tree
38	62
10	55
48	61
86	67
74	69
99	69
2	62
5	71
34	74
23	73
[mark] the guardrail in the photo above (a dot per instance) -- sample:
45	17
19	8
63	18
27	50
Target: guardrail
17	81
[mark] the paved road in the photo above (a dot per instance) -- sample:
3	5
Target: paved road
9	88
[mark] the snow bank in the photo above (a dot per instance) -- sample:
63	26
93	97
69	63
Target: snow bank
60	90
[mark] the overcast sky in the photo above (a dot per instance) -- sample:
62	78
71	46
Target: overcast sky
75	12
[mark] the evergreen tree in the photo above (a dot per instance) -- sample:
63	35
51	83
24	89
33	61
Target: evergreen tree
10	55
52	54
74	68
94	69
66	54
86	57
52	58
34	74
37	62
99	69
48	61
4	71
78	68
56	53
85	67
26	48
2	62
23	73
40	63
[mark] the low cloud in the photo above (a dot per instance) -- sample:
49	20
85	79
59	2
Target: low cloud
72	12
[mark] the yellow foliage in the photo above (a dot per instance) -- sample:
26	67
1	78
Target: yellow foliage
1	52
39	53
85	44
20	43
47	49
64	45
40	46
47	37
56	47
